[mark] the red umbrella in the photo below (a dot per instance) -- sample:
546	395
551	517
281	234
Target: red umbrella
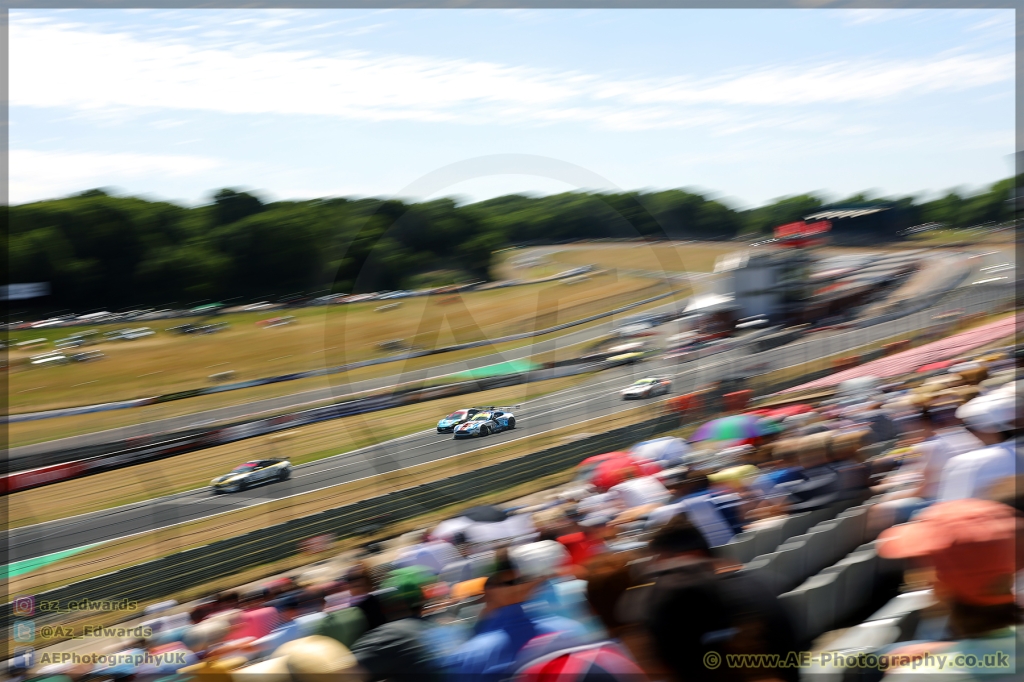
611	472
610	469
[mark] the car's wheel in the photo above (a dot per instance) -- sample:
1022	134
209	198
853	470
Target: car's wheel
484	431
284	475
242	485
511	422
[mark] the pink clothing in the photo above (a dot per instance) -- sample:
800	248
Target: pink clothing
256	623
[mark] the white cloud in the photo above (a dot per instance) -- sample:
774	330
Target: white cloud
861	16
60	65
38	175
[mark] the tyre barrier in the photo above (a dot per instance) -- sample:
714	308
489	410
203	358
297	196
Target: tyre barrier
845	363
689	406
737	400
896	346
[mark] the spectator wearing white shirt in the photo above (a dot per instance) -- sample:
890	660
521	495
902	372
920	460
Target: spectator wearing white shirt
941	439
691	497
991	418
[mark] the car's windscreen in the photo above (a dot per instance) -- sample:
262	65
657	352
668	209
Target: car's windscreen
461	414
644	382
248	466
482	417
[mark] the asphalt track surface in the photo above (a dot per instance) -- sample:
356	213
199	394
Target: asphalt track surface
340	388
594	398
336	390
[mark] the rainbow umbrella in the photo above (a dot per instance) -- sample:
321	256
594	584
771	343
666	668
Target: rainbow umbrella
735	427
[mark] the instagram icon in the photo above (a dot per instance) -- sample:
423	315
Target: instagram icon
25	606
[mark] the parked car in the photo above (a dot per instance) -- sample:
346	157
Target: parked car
71	342
87	356
51	358
276	322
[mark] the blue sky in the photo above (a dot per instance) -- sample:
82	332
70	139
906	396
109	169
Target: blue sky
748	105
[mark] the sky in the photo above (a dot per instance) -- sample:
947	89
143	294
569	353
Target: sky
743	105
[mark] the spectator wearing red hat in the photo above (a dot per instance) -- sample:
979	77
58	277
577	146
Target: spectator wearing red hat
588	539
973	548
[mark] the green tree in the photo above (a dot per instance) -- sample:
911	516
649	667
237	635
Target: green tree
232	206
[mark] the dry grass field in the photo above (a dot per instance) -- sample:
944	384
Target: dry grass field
168	362
26	433
195	469
670	258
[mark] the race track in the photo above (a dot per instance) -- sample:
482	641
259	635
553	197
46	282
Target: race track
338	388
594	398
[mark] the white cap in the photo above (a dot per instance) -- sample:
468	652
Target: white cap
314	657
989	413
538	560
1006	390
861	386
594	503
963	366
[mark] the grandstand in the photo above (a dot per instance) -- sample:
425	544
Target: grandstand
800	506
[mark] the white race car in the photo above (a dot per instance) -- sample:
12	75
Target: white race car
252	473
647	388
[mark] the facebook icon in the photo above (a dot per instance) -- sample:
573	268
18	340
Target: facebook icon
23	658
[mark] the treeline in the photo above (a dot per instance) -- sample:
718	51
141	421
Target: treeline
101	251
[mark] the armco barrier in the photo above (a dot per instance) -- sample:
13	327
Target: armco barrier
778	339
871	355
165	576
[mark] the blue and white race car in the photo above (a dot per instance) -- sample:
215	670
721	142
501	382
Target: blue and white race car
486	422
448	424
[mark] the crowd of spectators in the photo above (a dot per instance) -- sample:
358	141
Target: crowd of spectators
626	583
